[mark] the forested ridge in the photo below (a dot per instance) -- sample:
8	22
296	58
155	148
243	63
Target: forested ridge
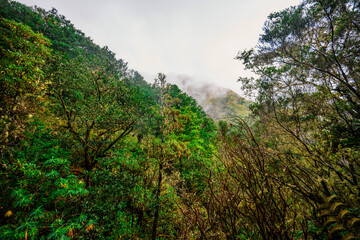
90	150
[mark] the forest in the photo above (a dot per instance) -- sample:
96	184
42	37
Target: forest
90	150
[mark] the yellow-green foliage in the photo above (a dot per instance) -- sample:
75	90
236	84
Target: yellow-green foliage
22	84
227	106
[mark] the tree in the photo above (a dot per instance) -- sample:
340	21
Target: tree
95	104
308	56
308	101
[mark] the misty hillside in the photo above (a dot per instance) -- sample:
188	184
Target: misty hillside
228	105
217	102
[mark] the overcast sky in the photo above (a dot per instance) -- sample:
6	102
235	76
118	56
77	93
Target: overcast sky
195	38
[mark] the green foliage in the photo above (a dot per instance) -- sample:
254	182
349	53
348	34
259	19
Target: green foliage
23	56
43	194
62	33
95	106
89	150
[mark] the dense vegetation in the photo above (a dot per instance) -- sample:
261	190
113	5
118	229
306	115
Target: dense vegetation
89	150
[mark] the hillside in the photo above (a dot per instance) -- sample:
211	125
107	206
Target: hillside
218	102
226	106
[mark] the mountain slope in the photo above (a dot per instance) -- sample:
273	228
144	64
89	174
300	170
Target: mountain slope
217	102
226	106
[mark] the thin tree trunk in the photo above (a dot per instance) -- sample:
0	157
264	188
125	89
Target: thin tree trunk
157	207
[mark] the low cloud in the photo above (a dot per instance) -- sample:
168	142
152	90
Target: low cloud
200	91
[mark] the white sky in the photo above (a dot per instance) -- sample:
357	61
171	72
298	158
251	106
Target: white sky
196	38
